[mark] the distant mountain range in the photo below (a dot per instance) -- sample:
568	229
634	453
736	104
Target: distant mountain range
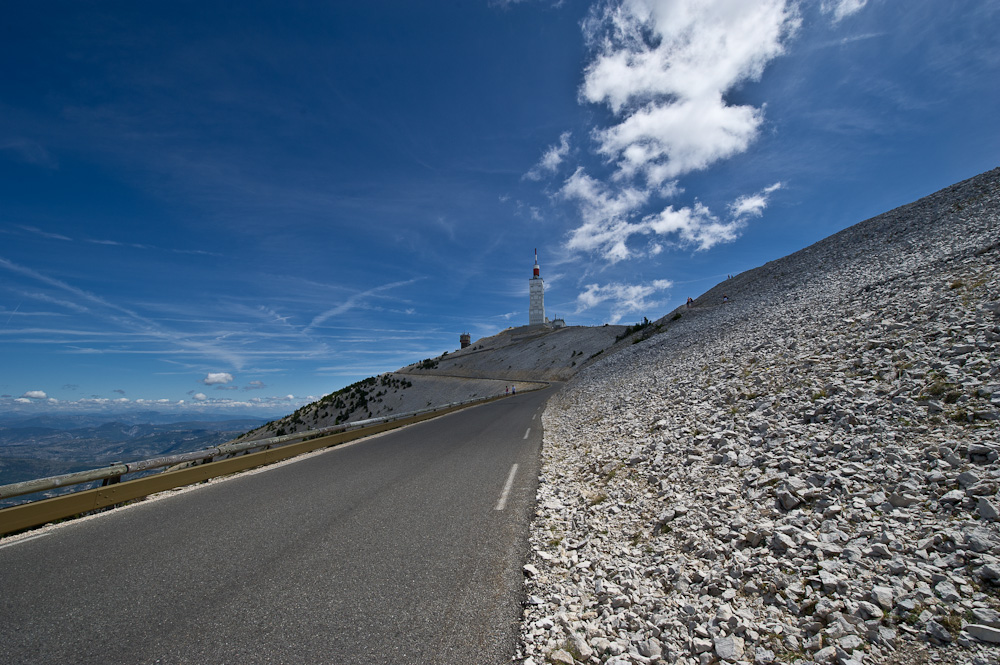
75	420
43	446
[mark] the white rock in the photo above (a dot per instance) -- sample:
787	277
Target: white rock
938	632
649	648
986	616
983	633
883	596
729	648
561	657
954	496
825	655
987	510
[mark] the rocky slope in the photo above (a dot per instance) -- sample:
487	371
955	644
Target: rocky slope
528	353
806	473
514	359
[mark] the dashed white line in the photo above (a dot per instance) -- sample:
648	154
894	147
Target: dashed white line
502	503
527	433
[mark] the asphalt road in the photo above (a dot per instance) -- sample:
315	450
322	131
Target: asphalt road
403	548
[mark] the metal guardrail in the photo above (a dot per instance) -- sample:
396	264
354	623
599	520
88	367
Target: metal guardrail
35	513
224	450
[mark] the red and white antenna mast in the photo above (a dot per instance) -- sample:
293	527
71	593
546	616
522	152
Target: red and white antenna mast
536	297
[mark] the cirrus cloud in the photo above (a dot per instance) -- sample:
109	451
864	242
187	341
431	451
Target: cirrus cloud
841	9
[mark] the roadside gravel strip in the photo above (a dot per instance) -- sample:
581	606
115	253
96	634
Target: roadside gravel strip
807	473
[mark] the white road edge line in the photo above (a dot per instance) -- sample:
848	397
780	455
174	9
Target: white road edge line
527	432
502	503
18	541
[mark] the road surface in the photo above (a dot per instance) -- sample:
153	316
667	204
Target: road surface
403	548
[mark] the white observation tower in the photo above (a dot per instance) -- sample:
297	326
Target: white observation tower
536	291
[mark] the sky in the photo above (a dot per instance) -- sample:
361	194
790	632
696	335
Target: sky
241	207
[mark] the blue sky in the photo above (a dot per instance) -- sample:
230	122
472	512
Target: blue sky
245	206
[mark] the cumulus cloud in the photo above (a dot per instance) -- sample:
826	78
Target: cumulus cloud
551	160
624	298
664	67
35	394
255	385
199	397
215	378
841	9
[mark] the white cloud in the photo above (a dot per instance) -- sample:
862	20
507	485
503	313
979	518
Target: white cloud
506	4
605	213
131	320
754	204
695	226
625	298
44	234
607	228
663	142
31	152
354	301
35	394
665	67
551	160
214	378
199	397
841	9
